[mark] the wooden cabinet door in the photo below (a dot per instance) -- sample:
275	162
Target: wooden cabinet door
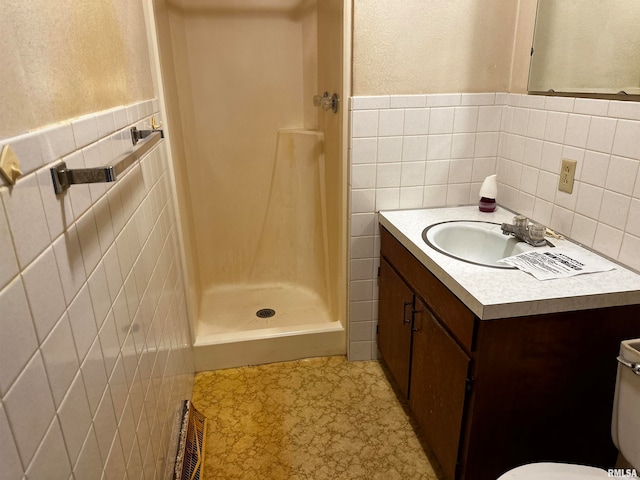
394	324
438	387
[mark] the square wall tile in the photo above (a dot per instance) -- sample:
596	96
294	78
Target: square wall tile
70	264
412	174
583	229
387	198
363	176
391	122
85	130
577	130
51	460
100	300
465	119
411	197
555	127
489	118
56	141
621	176
364	123
359	351
75	417
633	222
388	175
18	341
439	147
614	210
389	149
8	260
463	145
595	168
60	359
537	124
441	120
29	408
89	463
94	376
9	458
589	200
437	173
629	251
26	218
601	133
625	141
414	148
44	291
608	240
416	121
364	150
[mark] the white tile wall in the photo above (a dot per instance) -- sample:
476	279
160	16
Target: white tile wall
602	135
434	150
93	365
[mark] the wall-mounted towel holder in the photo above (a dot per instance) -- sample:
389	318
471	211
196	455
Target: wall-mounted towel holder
63	177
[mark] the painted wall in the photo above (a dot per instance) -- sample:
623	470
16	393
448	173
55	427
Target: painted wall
419	46
70	57
95	352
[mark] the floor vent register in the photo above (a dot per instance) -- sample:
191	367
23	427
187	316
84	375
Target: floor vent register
190	457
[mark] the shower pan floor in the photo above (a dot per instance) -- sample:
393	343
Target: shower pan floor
235	309
230	334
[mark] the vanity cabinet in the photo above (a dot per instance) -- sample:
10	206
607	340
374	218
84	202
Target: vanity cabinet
489	395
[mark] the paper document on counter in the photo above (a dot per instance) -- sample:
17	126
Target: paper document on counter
548	263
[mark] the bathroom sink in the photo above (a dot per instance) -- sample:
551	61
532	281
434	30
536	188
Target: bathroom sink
476	242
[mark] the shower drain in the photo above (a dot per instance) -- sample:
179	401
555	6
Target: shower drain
265	313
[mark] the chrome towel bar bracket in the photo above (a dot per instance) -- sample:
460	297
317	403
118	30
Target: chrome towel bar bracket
64	177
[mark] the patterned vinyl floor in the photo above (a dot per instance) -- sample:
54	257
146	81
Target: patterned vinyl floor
315	419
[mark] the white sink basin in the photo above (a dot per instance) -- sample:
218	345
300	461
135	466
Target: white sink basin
480	243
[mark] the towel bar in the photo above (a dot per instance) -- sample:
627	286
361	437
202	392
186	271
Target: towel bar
63	177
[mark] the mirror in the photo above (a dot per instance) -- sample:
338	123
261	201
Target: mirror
586	46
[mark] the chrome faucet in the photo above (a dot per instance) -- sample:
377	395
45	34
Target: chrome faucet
532	233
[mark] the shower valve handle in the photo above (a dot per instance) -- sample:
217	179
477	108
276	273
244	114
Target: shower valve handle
327	102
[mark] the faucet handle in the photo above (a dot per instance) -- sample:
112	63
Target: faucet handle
537	232
520	221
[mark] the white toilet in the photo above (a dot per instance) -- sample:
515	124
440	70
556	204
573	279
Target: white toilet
625	429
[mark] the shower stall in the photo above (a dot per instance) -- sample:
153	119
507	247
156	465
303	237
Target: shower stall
260	175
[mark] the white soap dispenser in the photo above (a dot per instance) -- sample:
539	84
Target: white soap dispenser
488	193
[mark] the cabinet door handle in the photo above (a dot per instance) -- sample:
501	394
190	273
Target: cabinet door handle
415	325
404	313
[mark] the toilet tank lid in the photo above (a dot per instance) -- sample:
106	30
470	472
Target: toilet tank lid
554	471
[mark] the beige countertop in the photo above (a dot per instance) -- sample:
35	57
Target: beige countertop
498	293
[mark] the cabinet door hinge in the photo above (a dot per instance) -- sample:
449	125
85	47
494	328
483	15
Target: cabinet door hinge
378	272
376	329
470	382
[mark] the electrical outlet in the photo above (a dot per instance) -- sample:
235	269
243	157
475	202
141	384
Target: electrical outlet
567	175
